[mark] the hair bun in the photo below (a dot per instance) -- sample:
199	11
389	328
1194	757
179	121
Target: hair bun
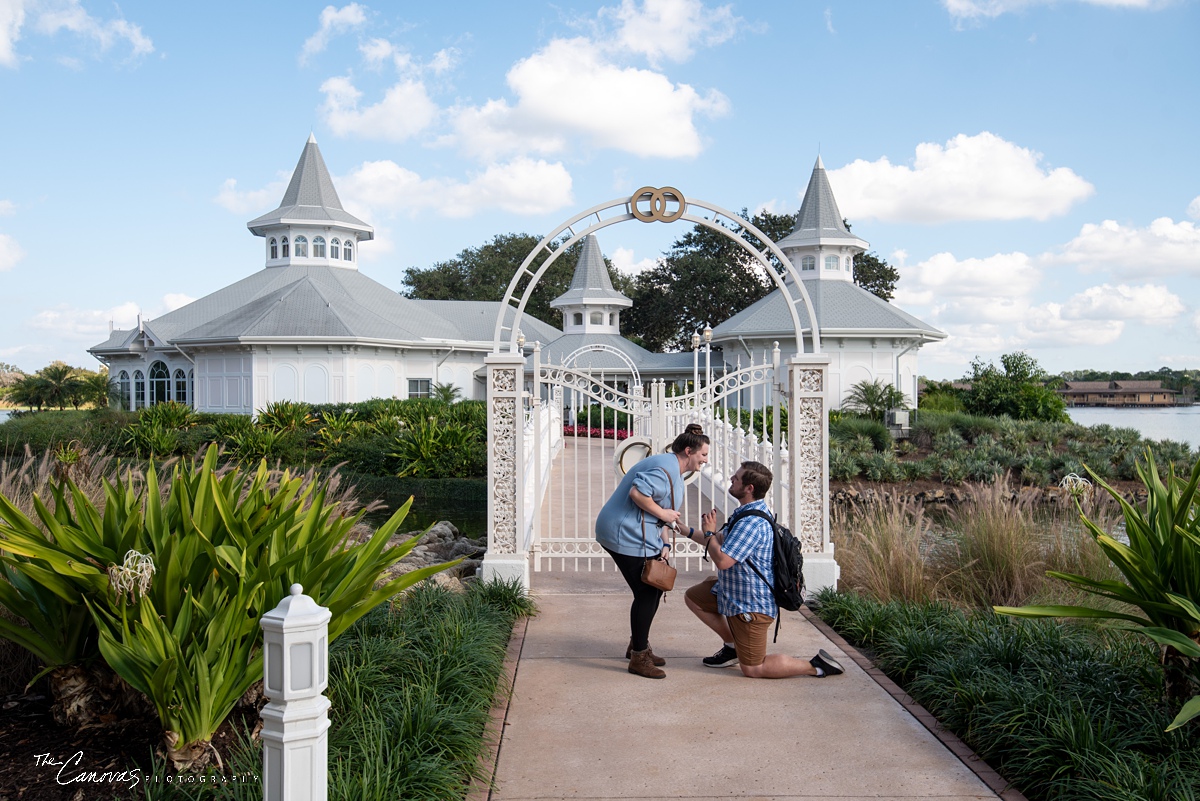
694	428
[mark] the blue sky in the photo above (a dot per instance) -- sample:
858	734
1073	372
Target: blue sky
1030	167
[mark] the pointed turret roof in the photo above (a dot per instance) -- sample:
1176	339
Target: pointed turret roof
310	198
591	283
819	220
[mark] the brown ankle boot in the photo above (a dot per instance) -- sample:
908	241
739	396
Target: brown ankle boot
640	665
657	660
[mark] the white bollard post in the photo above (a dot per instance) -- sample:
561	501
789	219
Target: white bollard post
296	721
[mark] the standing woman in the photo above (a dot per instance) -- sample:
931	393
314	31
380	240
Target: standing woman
650	492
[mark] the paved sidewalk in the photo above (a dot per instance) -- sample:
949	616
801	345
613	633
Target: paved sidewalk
579	726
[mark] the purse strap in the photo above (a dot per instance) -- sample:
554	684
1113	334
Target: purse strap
674	529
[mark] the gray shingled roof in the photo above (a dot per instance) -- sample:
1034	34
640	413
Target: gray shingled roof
840	307
591	282
476	319
819	218
310	197
647	363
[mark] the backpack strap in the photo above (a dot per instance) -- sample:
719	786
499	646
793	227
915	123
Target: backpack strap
774	531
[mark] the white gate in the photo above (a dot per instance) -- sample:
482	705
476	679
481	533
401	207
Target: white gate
737	411
525	428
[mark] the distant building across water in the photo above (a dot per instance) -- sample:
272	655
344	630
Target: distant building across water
1117	393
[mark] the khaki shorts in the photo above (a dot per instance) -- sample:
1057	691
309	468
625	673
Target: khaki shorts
749	636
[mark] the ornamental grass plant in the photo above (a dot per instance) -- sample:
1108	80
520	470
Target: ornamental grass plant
1065	713
411	686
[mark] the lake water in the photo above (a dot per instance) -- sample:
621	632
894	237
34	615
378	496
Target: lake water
4	413
1178	423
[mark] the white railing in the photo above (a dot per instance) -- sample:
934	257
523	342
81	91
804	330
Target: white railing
543	441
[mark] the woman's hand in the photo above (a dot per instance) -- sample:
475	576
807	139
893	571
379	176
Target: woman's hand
665	553
670	516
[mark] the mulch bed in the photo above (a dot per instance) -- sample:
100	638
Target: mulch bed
38	756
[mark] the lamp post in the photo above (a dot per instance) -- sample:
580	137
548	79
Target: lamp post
707	354
696	362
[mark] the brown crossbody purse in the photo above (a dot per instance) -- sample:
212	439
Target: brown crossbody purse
657	571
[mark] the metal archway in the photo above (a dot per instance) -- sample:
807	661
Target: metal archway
569	361
659	210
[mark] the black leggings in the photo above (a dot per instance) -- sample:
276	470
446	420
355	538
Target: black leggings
645	598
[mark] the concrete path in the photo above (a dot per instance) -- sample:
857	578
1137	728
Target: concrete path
579	726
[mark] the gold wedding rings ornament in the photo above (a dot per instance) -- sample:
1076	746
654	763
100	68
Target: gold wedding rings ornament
657	205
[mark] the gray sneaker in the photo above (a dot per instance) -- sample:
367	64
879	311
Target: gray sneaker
724	658
826	663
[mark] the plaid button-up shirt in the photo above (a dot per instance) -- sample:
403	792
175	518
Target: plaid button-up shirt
739	589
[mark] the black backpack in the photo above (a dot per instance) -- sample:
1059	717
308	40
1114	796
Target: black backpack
788	560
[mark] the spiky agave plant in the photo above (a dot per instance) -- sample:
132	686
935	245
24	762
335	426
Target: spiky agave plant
178	599
1161	567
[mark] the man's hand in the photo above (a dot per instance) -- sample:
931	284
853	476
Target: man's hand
708	521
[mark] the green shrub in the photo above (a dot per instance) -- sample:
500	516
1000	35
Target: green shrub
286	416
176	586
949	443
918	469
881	467
843	465
848	428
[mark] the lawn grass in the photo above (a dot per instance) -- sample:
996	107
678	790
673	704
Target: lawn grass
1065	712
411	688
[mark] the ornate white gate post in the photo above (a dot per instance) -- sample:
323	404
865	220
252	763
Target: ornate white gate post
808	443
295	729
506	468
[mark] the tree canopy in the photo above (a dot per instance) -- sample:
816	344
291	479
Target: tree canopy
875	275
1022	389
484	272
705	277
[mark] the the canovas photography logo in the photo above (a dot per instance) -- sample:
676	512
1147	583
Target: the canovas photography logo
74	770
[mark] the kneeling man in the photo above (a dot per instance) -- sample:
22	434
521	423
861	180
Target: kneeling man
738	604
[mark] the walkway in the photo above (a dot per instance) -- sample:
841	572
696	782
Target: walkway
579	726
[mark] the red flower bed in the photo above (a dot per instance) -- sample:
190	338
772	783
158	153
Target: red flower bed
600	433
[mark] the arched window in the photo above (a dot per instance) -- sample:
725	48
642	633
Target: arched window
334	253
347	253
578	318
285	247
808	263
123	391
181	387
191	390
318	247
849	264
597	318
831	263
612	318
274	248
160	383
139	390
301	247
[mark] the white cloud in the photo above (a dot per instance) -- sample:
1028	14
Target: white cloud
1149	304
1046	326
522	186
175	300
104	33
976	9
334	22
569	88
88	325
668	29
251	201
980	177
404	111
444	60
829	20
994	289
7	208
1196	326
1164	247
52	16
12	18
627	263
377	51
10	252
1193	209
91	325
